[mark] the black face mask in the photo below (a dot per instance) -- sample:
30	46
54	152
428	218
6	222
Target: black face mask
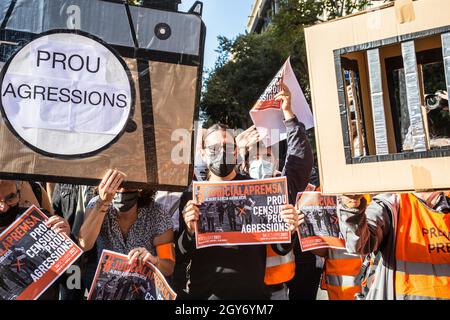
124	201
219	166
8	217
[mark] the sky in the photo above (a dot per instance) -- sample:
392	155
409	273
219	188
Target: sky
222	18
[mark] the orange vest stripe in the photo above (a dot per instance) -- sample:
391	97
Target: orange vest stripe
341	275
422	271
342	293
350	267
279	269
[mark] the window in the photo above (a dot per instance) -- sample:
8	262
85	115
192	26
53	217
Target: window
393	97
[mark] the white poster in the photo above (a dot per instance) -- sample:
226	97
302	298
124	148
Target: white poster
66	94
267	114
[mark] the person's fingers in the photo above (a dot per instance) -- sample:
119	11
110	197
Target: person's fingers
142	254
52	220
105	178
288	209
353	196
191	217
58	225
280	95
147	257
289	218
115	183
190	207
115	186
110	180
62	230
192	202
133	255
301	219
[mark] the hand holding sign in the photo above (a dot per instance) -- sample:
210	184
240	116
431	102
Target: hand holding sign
267	113
290	215
285	97
142	255
59	225
191	214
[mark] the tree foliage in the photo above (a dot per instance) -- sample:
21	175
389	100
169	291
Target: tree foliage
247	64
245	67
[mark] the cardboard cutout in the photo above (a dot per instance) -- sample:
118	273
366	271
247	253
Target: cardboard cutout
91	85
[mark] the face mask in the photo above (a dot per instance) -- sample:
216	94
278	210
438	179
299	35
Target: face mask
261	169
124	201
219	166
8	217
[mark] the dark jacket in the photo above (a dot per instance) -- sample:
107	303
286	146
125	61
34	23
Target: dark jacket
297	169
235	272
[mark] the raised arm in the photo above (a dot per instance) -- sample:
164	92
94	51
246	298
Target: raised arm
364	228
95	214
299	156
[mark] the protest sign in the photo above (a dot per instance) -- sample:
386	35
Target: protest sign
60	84
118	279
241	212
32	256
118	87
267	114
320	228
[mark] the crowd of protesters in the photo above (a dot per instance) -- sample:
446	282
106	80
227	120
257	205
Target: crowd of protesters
387	255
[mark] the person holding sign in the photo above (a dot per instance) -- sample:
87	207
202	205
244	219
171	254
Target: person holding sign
225	272
261	162
411	231
128	221
12	206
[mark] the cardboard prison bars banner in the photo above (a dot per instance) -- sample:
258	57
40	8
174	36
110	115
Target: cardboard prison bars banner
356	38
90	85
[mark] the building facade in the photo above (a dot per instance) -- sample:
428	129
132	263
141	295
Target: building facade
263	11
158	4
261	15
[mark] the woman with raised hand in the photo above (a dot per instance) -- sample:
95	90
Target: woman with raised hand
128	221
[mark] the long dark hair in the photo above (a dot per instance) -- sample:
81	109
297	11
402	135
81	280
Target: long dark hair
146	197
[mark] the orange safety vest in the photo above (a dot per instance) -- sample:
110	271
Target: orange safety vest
341	276
422	251
279	269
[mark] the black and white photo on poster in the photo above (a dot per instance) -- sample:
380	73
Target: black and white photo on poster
117	278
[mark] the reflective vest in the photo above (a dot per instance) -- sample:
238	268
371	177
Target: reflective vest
279	269
342	275
422	252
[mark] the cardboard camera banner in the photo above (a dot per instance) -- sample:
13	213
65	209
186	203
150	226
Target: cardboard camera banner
91	85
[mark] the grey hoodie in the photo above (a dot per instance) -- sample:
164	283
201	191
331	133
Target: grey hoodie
372	230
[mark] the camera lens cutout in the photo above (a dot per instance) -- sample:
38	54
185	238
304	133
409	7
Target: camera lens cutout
163	31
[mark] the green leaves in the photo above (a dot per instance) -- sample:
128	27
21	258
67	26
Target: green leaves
247	64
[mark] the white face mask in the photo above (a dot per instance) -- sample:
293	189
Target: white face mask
261	169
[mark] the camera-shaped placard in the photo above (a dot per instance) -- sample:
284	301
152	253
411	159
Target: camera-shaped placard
378	84
88	85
